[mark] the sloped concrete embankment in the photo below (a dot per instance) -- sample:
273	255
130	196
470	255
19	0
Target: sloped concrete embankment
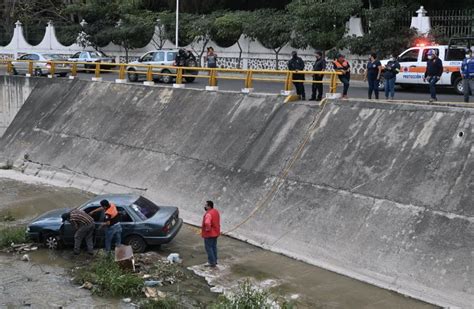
379	192
13	93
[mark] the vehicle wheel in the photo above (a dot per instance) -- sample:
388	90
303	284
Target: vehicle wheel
132	76
38	72
382	84
458	86
51	241
136	242
166	79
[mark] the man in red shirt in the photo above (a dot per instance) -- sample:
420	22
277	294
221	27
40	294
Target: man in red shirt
210	230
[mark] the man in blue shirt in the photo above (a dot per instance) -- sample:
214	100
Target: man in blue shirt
467	72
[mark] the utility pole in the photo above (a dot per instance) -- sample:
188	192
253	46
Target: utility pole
177	22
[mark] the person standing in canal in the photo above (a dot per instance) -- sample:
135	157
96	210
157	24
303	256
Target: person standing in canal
210	231
372	75
111	224
84	226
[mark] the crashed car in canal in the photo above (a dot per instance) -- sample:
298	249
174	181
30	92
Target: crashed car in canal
143	223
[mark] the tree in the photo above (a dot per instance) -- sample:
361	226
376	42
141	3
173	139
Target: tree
201	30
271	28
228	29
321	23
185	34
384	21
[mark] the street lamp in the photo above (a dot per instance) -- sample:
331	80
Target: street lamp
177	22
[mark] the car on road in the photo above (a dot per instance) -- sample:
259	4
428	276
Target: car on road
413	65
42	63
136	70
89	59
143	223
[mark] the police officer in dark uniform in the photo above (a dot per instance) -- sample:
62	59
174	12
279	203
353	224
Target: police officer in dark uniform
181	58
297	64
317	88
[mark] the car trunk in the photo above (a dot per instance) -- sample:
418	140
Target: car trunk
166	217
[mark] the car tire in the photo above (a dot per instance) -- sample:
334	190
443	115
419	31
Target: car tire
132	76
37	72
167	79
137	243
51	241
458	86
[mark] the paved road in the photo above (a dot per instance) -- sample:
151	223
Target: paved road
358	88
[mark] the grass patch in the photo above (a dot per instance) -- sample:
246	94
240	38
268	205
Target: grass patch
8	217
166	303
13	234
108	278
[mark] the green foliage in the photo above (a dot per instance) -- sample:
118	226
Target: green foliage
247	297
185	35
387	33
9	235
7	217
321	24
166	303
228	28
437	34
109	279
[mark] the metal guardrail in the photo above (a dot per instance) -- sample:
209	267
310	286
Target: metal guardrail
179	74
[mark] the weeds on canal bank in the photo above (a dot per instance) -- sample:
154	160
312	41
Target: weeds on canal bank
249	297
166	303
13	234
108	278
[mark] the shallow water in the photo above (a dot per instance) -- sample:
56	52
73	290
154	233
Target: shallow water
309	286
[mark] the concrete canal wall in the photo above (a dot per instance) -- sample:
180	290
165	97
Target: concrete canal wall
381	192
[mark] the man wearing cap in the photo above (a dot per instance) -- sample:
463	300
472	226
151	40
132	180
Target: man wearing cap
434	70
467	72
84	226
297	64
317	88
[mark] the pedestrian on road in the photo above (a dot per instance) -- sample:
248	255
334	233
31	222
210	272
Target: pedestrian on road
297	64
317	88
390	71
342	65
211	58
434	70
111	224
210	231
467	72
372	75
84	226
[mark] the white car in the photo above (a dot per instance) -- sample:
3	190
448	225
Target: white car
92	57
166	57
42	63
413	66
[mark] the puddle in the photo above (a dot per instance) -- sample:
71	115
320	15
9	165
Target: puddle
309	286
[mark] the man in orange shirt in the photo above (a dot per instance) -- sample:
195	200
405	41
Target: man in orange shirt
210	231
111	223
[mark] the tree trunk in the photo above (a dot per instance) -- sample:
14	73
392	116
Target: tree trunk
240	54
277	62
204	45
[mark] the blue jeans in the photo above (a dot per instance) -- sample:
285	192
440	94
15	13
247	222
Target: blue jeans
211	249
115	231
433	80
345	81
390	87
373	87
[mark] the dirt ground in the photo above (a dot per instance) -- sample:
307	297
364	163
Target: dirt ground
27	283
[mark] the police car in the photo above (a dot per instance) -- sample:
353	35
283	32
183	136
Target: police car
413	65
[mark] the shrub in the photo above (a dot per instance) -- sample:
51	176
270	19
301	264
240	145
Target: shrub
246	297
14	234
166	303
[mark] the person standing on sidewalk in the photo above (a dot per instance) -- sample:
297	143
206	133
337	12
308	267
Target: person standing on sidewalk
317	88
467	72
84	226
372	75
341	65
434	70
297	64
210	231
211	58
392	68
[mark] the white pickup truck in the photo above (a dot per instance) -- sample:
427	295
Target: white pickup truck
413	66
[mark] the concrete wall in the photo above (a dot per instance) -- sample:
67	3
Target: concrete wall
13	93
380	192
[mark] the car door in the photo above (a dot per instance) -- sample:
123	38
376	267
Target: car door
126	221
75	57
22	67
410	68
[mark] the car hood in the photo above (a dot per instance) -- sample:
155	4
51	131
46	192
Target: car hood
50	217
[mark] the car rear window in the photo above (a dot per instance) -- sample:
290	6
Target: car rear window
455	54
144	208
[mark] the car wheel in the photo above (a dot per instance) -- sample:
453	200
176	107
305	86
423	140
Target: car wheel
458	86
51	241
137	243
38	72
132	76
167	79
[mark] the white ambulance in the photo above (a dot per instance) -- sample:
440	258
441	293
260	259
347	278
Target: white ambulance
413	66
